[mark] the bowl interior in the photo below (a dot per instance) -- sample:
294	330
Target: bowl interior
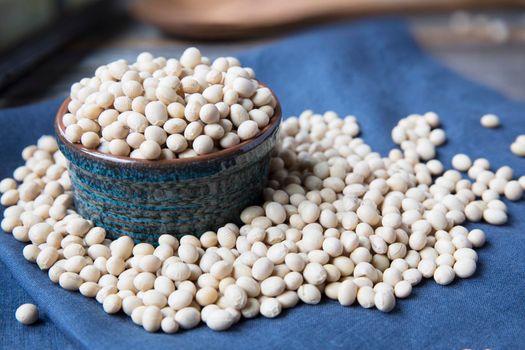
100	156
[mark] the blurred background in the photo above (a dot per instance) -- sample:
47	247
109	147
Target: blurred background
46	45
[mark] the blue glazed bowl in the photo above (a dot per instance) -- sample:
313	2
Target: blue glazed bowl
144	199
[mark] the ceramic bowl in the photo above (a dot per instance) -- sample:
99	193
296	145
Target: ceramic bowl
144	199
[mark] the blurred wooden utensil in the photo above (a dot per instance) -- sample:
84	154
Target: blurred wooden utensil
235	19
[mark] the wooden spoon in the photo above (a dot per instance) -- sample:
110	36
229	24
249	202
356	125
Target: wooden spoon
234	19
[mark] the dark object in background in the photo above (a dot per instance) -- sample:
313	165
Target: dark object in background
235	19
30	30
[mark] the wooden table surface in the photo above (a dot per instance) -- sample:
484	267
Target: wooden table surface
500	65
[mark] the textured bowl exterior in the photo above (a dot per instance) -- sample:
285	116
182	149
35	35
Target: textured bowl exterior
145	199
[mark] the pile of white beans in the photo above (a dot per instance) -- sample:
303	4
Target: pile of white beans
337	219
480	27
158	108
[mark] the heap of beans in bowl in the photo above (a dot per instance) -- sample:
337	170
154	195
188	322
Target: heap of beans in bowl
158	108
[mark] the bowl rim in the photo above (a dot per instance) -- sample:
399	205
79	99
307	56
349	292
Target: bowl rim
240	148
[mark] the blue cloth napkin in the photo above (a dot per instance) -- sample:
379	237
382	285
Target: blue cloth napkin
374	70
